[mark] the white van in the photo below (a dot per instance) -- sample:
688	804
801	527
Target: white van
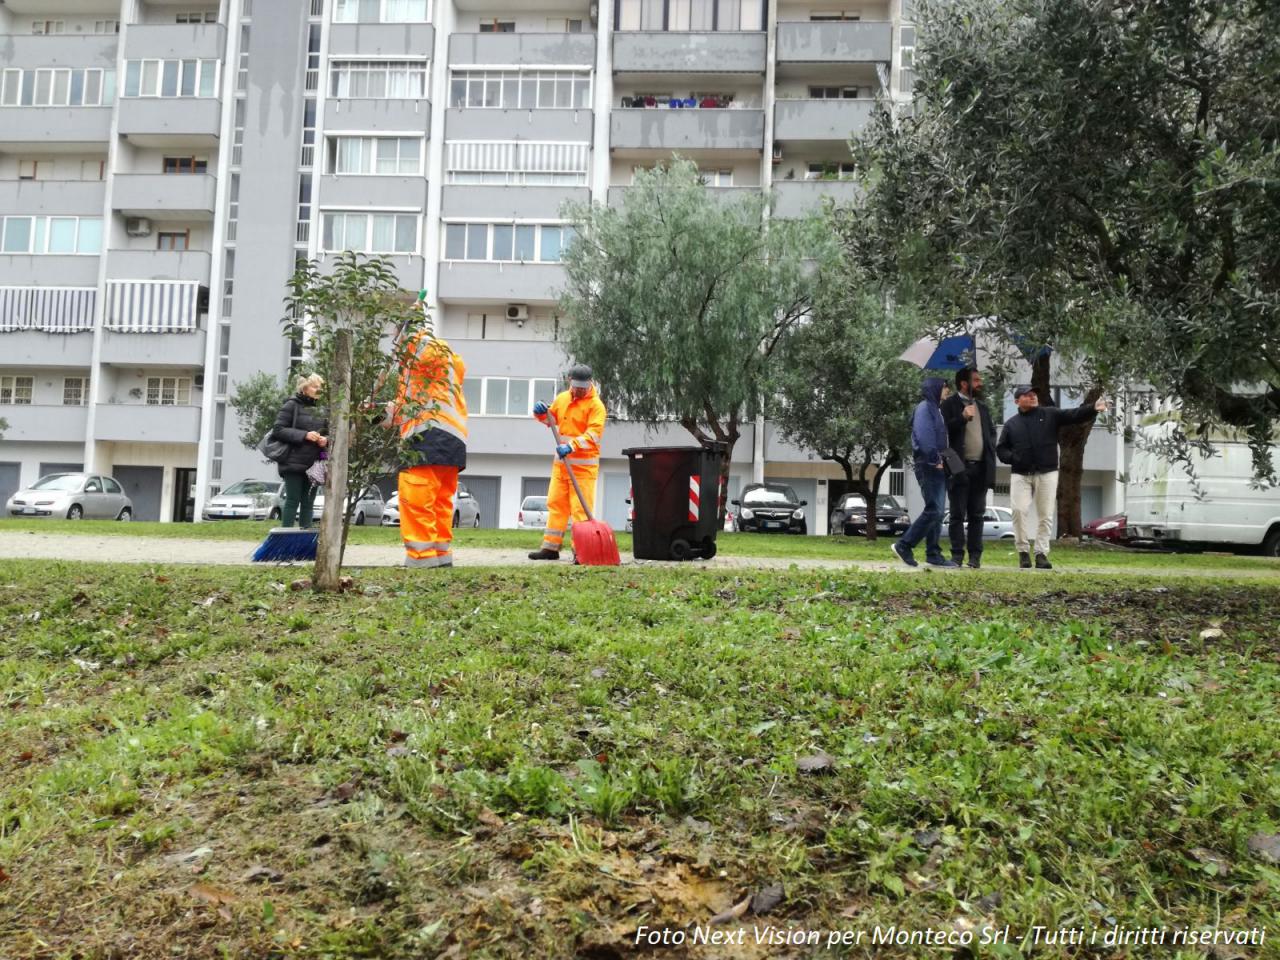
1162	504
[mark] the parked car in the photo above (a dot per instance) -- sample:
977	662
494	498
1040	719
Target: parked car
246	500
997	523
769	507
466	512
1112	529
533	514
368	509
76	496
849	516
391	511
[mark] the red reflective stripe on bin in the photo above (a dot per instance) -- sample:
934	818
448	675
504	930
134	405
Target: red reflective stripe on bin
694	497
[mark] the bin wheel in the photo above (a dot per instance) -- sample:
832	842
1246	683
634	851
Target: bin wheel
681	550
708	548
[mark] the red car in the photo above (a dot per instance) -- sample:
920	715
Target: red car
1112	529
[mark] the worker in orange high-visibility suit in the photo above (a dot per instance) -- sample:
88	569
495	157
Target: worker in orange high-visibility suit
580	416
431	415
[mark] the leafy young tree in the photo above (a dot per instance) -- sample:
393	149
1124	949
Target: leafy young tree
256	402
678	299
358	320
842	390
1104	175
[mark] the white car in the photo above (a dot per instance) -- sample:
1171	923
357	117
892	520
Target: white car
75	496
997	523
466	512
533	514
368	509
391	511
246	500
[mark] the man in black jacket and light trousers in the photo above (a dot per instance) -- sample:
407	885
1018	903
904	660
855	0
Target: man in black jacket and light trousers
1029	444
972	435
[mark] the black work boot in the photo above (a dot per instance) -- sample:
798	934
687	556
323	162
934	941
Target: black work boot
1042	562
545	554
1024	561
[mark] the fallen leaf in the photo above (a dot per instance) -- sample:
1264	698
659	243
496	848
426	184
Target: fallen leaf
4	876
819	762
767	899
1212	633
25	756
490	819
303	584
345	791
211	894
733	913
262	874
1265	846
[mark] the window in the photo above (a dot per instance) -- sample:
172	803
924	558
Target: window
375	155
64	235
716	178
506	242
370	232
684	15
106	26
48	27
497	26
517	162
829	171
168	391
381	11
829	16
208	16
186	165
174	241
28	170
75	391
521	89
378	79
50	87
16	390
559	25
505	396
93	170
833	93
171	78
111	486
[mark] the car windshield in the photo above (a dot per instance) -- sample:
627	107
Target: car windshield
59	481
853	502
534	503
250	488
885	502
766	496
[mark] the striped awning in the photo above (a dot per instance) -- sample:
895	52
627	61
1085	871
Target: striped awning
152	306
50	309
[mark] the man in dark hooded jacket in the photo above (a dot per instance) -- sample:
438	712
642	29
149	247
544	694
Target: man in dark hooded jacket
928	440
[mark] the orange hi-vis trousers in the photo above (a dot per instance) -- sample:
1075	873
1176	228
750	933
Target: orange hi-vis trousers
561	499
426	515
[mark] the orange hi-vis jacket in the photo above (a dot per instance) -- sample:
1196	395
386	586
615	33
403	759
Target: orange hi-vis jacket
581	425
433	409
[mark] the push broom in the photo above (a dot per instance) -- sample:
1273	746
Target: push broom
593	541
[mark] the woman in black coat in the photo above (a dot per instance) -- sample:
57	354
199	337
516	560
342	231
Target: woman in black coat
300	425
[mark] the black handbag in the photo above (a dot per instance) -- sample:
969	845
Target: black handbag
952	462
276	450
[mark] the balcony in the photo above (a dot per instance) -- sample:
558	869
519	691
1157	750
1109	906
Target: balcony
175	41
490	123
381	39
687	131
48	270
540	49
683	52
153	349
52	197
509	203
501	282
146	423
820	120
60	50
170	121
39	423
69	128
159	196
158	265
34	348
864	41
378	116
355	191
618	195
798	198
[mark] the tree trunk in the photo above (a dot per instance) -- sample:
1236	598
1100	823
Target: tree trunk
1040	379
1071	444
870	487
329	551
722	493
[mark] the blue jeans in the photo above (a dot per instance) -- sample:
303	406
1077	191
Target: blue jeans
928	523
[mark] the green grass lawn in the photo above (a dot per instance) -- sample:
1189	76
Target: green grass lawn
998	554
539	762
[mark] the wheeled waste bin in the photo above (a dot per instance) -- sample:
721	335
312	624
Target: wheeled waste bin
676	495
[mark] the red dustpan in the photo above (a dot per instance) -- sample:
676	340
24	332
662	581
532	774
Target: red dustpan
593	541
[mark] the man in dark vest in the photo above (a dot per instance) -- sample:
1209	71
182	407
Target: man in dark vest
971	434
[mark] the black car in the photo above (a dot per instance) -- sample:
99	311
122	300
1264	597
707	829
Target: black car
769	508
850	516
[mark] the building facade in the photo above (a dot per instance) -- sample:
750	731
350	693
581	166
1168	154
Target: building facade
164	162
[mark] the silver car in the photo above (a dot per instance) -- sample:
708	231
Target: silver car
466	512
997	523
247	500
533	514
76	496
391	511
368	509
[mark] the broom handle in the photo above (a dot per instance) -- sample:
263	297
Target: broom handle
551	422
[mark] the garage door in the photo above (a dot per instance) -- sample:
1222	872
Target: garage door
806	489
48	468
142	486
533	487
9	480
614	509
486	490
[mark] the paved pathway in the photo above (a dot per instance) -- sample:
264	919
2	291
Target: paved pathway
165	550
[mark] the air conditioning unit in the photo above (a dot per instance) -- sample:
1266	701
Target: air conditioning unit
137	227
198	381
518	312
777	153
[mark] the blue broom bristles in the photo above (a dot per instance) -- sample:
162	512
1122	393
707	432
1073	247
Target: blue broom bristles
287	544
